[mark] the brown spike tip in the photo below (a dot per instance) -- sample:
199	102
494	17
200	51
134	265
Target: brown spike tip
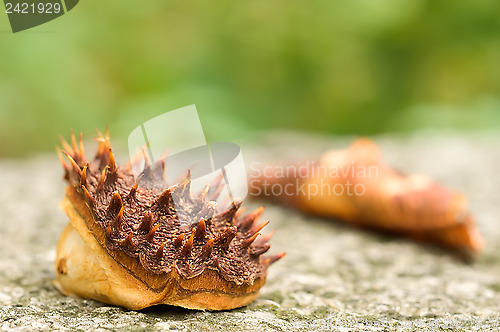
129	241
261	250
102	179
83	179
119	218
159	252
201	229
88	196
146	222
152	232
188	246
247	242
224	240
207	248
273	258
112	161
115	203
73	163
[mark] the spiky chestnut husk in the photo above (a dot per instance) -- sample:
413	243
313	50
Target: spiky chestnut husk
126	245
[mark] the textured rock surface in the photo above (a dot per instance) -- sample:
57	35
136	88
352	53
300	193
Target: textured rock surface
333	277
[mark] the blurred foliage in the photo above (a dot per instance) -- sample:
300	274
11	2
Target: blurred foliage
342	67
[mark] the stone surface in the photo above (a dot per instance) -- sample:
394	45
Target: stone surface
333	277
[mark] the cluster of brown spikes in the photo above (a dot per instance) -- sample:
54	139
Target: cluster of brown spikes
140	219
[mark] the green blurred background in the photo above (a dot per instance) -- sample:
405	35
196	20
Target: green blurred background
357	67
